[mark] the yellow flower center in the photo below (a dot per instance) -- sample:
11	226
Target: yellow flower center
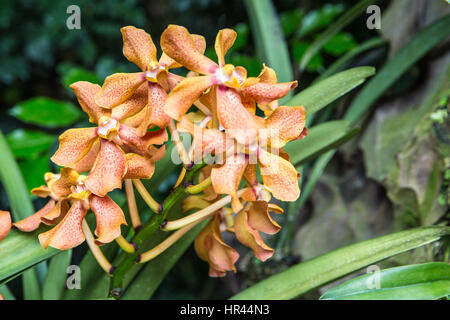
229	76
108	128
154	69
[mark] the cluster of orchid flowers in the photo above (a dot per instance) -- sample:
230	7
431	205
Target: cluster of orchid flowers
235	118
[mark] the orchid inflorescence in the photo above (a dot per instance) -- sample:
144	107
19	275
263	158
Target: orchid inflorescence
233	118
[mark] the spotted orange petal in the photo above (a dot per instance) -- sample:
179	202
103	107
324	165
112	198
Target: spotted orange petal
285	124
74	144
42	191
109	218
200	45
260	219
224	40
5	224
156	100
87	162
68	233
62	186
177	43
58	213
226	179
266	92
279	175
250	237
117	88
108	171
133	105
235	118
138	47
32	222
181	98
139	167
85	93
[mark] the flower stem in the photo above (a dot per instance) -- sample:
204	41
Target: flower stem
199	215
125	245
155	206
95	249
197	188
160	248
180	177
132	208
147	229
178	144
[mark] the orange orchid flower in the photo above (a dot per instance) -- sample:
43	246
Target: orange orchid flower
5	224
154	80
73	199
176	43
104	148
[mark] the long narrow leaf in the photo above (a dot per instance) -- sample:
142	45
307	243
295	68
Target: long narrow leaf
56	276
335	264
269	40
343	21
425	281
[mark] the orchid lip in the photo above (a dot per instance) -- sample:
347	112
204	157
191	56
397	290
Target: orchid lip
107	126
152	73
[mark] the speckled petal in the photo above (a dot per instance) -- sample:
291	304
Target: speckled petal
156	100
61	187
117	88
138	47
139	167
181	98
85	92
177	43
108	171
266	92
5	224
87	162
226	179
285	124
74	144
109	218
133	105
68	233
224	40
200	45
32	222
279	176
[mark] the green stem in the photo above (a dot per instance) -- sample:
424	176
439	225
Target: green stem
150	227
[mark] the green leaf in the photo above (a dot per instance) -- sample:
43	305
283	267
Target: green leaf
298	50
33	170
318	19
339	44
21	207
6	293
343	21
290	20
75	74
414	282
337	263
21	251
326	91
267	34
402	61
29	143
56	276
149	279
319	140
46	112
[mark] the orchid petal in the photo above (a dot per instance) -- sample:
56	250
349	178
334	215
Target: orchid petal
109	218
87	162
68	233
5	224
139	167
285	124
265	93
181	98
224	40
117	88
133	105
200	45
108	171
177	43
138	47
85	93
74	144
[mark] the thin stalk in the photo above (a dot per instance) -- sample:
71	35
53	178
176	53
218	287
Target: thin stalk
178	144
180	177
152	203
132	207
147	229
199	215
160	248
95	249
197	188
125	245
